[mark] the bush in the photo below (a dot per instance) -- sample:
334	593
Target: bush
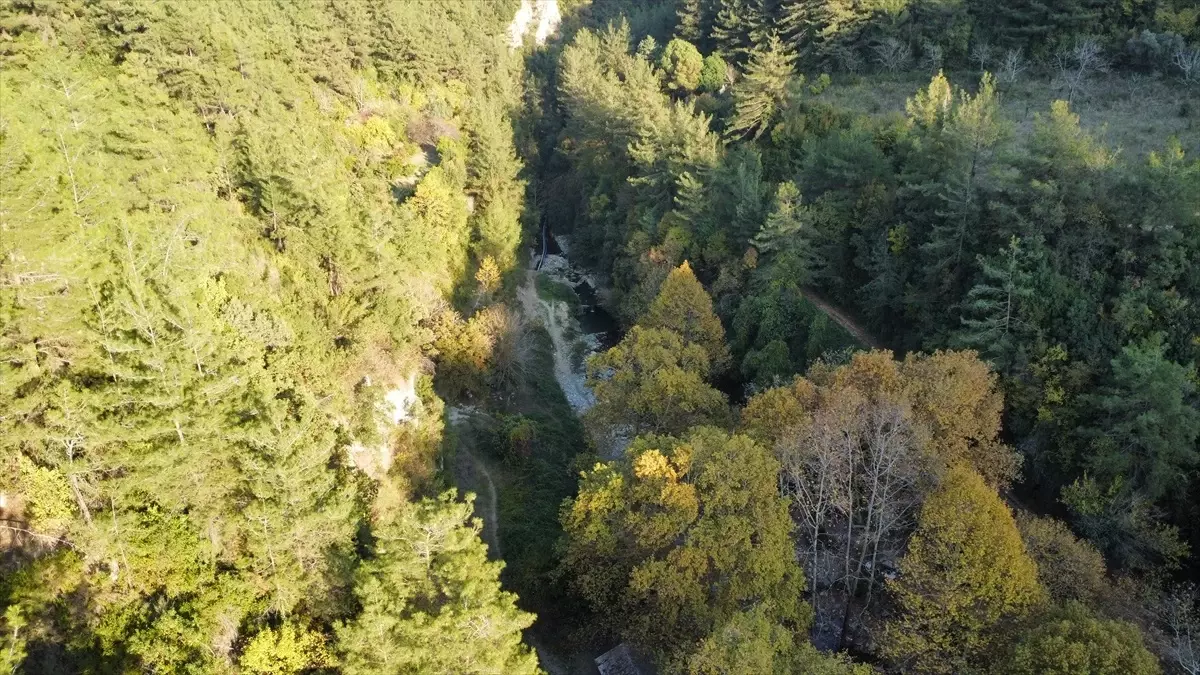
713	73
1151	52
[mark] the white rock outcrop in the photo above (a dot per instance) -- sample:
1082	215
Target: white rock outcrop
544	12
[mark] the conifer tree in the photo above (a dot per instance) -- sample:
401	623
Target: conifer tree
1148	422
763	91
994	320
432	601
688	21
784	227
684	307
730	31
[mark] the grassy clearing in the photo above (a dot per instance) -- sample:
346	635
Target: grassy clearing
1131	112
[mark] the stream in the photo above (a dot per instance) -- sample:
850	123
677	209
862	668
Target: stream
575	335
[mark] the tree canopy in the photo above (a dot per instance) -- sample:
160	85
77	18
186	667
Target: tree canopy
966	571
648	534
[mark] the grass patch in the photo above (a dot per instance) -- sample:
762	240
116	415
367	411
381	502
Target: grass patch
551	290
1128	111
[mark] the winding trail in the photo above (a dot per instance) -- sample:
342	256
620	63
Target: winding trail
491	515
469	469
842	319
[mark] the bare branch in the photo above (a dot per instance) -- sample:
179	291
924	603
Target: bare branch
892	55
1012	66
1187	60
981	54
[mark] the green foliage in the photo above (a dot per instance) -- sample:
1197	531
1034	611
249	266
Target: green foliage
653	381
741	26
763	91
1069	568
431	600
1123	524
646	536
221	250
689	21
289	650
1072	640
994	322
713	73
750	643
682	63
684	307
1150	422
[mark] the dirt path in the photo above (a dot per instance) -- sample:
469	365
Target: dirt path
471	472
842	319
491	511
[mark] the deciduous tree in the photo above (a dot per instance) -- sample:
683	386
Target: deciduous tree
966	572
1072	639
681	535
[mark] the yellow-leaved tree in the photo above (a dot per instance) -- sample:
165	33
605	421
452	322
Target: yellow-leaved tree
683	306
672	541
653	382
966	574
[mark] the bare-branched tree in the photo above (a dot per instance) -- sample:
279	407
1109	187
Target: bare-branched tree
815	464
893	55
981	54
932	57
1012	66
1187	61
887	486
1078	65
1179	620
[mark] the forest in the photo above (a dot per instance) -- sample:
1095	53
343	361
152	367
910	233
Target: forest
564	336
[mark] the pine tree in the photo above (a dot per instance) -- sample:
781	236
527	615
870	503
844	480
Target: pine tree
688	21
730	31
763	91
955	136
1148	422
993	320
825	32
432	601
785	224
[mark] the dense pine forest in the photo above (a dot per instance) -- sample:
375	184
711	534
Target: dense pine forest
678	336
